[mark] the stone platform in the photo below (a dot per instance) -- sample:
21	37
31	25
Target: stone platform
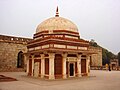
6	79
99	80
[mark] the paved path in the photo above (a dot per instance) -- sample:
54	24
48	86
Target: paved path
99	80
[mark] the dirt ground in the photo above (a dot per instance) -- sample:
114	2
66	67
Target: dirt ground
98	80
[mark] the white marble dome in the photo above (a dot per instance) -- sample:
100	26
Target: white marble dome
56	23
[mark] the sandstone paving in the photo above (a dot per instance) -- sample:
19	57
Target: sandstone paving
98	80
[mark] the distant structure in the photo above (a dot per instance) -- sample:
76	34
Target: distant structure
114	64
96	59
11	52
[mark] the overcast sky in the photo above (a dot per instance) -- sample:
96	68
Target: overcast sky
96	19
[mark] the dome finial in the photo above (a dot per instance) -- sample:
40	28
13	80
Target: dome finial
57	13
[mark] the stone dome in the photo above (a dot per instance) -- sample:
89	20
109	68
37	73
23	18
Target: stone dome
57	23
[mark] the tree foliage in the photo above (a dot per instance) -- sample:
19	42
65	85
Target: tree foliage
93	43
118	56
107	56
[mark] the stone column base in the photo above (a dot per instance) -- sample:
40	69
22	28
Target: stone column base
64	76
51	77
79	75
88	74
42	76
32	74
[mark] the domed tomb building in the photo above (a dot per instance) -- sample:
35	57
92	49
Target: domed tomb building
57	51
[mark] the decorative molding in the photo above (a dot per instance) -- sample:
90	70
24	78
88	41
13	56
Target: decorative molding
59	46
71	47
45	46
73	37
31	49
72	59
36	48
82	48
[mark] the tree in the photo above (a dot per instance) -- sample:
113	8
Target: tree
107	56
119	58
110	55
93	43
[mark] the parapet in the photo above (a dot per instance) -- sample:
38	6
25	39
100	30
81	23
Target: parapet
12	39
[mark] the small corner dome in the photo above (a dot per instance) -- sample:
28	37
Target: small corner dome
56	23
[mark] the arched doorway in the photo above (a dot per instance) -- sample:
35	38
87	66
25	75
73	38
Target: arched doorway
20	60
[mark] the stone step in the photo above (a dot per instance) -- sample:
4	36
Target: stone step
6	79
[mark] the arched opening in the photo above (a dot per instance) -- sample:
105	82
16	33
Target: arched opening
20	60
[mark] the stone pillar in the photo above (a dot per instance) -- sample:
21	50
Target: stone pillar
87	65
32	65
51	65
79	65
42	65
64	65
27	63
